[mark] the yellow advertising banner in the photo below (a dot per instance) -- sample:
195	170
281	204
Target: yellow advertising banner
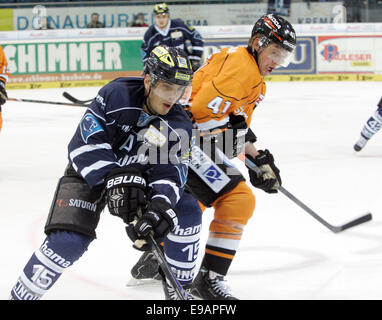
6	19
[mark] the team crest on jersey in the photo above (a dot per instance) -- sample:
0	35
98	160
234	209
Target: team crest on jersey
89	125
154	137
176	34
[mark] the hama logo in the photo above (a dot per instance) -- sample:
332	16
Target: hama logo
212	174
89	125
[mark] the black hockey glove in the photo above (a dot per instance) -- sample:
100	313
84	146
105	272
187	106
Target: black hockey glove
234	136
3	94
125	193
270	180
159	218
195	64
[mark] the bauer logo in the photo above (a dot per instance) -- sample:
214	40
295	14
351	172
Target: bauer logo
126	180
89	125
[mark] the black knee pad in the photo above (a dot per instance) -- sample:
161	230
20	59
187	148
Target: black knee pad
75	207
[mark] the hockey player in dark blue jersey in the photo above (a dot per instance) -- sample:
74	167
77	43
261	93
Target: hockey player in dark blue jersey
130	151
370	128
172	33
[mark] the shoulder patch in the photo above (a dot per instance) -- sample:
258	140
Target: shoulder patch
89	125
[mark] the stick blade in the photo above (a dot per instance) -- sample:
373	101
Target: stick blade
75	100
69	97
355	222
143	282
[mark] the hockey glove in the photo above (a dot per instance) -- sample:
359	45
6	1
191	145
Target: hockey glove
270	180
232	140
237	127
195	64
159	218
3	94
125	193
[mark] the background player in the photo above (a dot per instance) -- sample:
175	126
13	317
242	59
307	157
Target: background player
225	91
4	73
371	127
172	33
120	147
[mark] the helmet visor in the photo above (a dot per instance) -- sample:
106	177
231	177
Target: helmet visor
167	91
186	95
280	56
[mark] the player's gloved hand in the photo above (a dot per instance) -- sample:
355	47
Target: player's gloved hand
195	64
270	180
159	218
236	131
3	94
125	193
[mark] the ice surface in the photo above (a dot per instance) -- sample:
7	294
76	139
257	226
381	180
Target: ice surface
285	254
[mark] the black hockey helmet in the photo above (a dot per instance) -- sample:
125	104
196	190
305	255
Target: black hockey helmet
277	29
169	64
161	8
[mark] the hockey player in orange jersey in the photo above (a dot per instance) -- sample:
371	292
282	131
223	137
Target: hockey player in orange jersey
3	80
225	91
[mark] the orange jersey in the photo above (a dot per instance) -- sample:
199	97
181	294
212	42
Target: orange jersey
4	73
228	82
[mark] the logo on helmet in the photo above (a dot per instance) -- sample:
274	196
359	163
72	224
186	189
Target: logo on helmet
182	76
161	8
274	20
182	62
163	55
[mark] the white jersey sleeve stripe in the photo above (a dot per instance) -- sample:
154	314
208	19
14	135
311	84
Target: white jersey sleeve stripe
95	166
169	183
162	196
212	124
197	48
88	148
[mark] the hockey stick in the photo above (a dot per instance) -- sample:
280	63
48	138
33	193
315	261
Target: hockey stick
48	102
335	229
75	100
166	268
156	250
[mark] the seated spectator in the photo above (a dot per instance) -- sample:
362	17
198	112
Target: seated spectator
95	23
139	21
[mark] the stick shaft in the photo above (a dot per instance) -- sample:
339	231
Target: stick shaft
166	268
48	102
155	248
303	206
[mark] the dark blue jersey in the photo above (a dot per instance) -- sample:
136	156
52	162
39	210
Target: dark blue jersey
115	132
175	35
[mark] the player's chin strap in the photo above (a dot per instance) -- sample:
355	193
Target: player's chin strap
254	53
